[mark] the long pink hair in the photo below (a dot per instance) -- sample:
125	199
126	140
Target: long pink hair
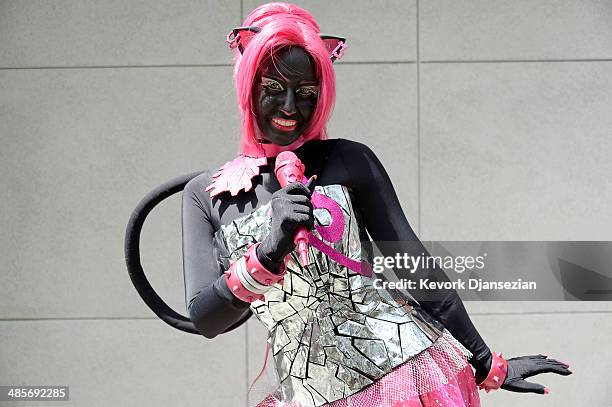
282	25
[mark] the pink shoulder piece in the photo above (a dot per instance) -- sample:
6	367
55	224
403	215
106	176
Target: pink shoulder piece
236	175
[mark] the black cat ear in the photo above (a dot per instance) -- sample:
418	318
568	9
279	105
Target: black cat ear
335	45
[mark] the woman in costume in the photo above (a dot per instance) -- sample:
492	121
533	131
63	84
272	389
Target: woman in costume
335	339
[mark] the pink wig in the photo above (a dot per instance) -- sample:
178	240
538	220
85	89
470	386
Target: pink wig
282	25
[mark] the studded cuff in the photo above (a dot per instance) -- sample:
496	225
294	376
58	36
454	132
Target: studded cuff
258	271
248	279
497	374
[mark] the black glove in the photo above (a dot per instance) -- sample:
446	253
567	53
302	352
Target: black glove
291	207
526	366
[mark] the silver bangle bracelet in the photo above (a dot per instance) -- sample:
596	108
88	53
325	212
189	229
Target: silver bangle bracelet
249	282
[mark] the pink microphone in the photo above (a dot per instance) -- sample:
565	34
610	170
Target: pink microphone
290	169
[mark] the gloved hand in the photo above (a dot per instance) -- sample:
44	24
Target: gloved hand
291	207
526	366
522	367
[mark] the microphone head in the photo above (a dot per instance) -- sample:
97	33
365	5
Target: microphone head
288	168
284	158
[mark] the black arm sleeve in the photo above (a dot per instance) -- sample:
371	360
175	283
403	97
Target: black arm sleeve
385	221
211	305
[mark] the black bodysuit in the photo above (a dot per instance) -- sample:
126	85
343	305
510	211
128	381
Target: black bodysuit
211	305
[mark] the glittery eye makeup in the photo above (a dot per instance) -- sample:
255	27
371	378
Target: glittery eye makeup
271	85
274	86
311	90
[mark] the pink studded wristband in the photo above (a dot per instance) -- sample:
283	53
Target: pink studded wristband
248	279
497	374
258	271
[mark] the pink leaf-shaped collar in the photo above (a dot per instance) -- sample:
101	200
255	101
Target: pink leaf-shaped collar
236	175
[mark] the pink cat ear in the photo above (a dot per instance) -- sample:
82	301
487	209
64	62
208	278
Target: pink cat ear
335	45
236	175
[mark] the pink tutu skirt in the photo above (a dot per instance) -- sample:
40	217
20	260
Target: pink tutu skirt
440	376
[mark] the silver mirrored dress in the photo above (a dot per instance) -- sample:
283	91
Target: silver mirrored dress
331	332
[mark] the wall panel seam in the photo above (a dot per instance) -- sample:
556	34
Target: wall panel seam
418	84
9	68
137	319
16	68
510	61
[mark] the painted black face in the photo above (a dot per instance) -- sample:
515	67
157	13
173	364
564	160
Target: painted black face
285	96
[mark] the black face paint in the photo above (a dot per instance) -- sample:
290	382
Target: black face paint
285	96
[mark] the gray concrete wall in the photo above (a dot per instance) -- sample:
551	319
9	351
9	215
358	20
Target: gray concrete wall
492	117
